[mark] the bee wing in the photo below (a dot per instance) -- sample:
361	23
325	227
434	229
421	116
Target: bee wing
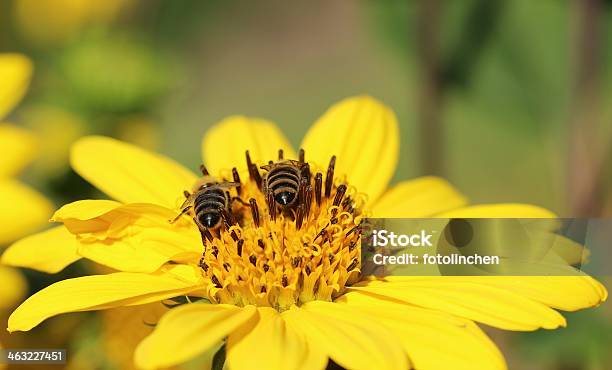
227	185
292	162
188	201
267	167
295	163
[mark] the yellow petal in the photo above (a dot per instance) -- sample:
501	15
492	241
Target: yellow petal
509	210
279	346
130	174
131	237
493	306
224	145
49	251
96	292
22	210
567	293
433	340
145	252
349	338
364	135
15	74
12	288
189	330
84	210
422	197
18	149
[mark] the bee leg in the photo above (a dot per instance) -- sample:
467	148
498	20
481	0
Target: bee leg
227	218
254	211
185	210
204	170
236	177
271	204
206	238
239	200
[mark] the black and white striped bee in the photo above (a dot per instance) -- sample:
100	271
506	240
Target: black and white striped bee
284	181
210	201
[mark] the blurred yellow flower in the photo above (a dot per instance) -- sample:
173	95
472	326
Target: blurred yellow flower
15	74
52	21
138	130
284	291
22	210
59	128
13	286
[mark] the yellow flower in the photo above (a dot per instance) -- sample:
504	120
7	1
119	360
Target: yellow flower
22	210
13	286
12	289
59	128
285	291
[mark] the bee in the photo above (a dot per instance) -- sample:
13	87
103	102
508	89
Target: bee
210	201
283	181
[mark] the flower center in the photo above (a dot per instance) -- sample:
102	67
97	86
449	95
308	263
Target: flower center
288	237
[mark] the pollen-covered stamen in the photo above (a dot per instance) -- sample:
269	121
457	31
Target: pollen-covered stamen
253	171
308	200
302	190
346	203
322	232
236	178
279	257
271	205
239	247
340	191
329	177
305	173
299	216
256	175
248	159
254	211
216	282
318	187
352	230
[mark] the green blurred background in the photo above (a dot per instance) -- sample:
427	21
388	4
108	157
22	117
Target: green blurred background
509	100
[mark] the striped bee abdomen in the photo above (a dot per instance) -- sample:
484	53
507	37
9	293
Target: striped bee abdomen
208	206
284	181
